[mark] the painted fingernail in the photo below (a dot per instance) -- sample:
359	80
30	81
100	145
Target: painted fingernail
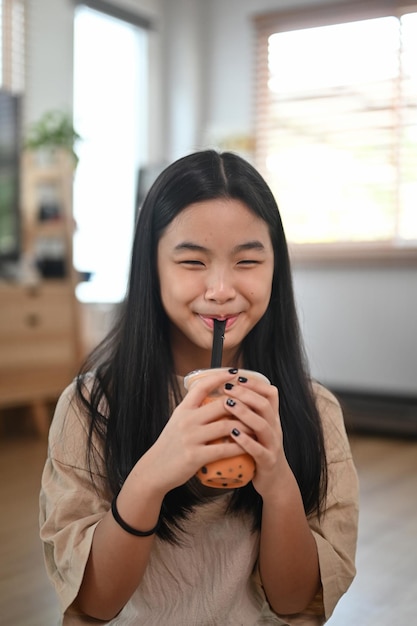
236	432
230	402
242	379
229	386
232	370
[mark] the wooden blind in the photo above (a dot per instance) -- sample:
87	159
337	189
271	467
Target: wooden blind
12	45
375	118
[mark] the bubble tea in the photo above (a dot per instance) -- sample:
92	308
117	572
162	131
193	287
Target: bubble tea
238	470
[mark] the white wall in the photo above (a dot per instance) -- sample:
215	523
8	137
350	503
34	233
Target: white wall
50	61
184	75
360	326
49	57
359	322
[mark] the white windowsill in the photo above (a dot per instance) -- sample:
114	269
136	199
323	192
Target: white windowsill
363	253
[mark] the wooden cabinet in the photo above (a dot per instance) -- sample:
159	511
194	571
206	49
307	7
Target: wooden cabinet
40	348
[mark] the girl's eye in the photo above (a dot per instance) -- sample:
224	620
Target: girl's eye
248	262
192	262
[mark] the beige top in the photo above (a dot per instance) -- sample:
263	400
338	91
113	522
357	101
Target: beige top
211	579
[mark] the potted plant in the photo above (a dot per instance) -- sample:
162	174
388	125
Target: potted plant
52	131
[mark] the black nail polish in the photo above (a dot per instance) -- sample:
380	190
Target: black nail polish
233	370
230	402
242	379
236	432
229	386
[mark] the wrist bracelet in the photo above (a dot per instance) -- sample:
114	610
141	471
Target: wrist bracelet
126	527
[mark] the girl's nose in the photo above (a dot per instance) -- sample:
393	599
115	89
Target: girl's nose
220	287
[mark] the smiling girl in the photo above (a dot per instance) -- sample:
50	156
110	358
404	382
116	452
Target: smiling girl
130	534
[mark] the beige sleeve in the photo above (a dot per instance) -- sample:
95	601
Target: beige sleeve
336	531
71	505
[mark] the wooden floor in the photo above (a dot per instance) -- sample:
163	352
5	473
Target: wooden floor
384	592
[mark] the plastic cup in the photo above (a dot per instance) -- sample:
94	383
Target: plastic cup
236	471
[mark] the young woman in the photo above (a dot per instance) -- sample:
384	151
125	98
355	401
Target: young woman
130	534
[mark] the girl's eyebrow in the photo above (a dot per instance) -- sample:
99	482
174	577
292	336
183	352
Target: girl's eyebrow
188	245
249	245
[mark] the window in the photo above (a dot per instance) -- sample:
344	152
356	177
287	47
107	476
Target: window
12	47
110	113
336	124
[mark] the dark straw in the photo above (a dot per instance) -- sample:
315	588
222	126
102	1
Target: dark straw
218	338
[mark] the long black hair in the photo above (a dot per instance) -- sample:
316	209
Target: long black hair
134	372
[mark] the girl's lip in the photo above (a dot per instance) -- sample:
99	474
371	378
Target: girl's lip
209	320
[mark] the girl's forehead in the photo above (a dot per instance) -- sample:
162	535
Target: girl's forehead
217	215
224	226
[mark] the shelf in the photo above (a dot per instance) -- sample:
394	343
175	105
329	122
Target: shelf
40	344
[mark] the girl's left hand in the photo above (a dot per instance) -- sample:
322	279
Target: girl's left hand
256	405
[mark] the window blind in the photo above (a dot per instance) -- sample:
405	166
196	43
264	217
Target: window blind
12	45
336	120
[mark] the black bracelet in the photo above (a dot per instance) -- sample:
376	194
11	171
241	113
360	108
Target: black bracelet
126	527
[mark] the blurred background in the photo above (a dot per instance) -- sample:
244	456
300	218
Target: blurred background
96	97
